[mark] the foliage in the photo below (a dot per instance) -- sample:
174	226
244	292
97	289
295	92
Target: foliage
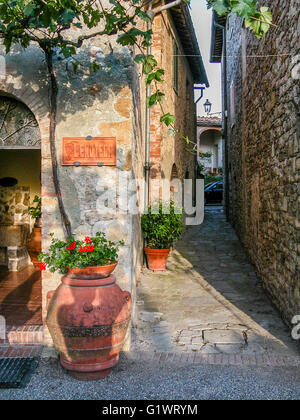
162	225
45	22
35	211
92	251
258	20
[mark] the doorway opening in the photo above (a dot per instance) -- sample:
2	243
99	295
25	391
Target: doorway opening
20	230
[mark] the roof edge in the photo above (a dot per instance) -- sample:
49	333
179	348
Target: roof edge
193	53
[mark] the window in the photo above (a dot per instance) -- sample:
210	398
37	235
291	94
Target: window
175	66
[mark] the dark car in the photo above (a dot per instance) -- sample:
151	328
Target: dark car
213	193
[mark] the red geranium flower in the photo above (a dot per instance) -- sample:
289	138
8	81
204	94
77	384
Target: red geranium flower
42	266
87	240
72	246
89	248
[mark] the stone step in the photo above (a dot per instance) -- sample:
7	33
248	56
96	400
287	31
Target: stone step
24	335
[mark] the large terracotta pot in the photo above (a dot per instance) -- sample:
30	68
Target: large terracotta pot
157	258
91	273
34	245
88	322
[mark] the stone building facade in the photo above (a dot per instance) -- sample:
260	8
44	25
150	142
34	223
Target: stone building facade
108	103
261	123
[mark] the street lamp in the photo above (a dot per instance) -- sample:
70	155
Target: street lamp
207	107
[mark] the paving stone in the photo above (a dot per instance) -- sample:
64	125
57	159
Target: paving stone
150	316
223	336
229	348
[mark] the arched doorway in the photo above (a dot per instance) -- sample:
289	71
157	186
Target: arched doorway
210	150
20	189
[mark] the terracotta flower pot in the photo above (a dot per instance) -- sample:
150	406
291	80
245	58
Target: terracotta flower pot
157	258
90	273
88	322
34	245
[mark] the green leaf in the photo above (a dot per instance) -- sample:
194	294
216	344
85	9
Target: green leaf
140	58
220	7
168	119
149	64
68	51
243	8
28	9
155	98
155	76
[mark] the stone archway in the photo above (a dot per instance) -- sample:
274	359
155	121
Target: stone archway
210	142
20	143
174	172
18	125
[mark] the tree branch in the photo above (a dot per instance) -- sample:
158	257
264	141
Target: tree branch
53	112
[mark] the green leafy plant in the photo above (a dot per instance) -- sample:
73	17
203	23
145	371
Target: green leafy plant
205	155
35	211
257	19
90	252
162	226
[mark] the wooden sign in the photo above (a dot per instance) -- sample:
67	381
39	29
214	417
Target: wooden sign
89	151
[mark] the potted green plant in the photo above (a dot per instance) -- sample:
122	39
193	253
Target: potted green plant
88	314
93	256
162	226
34	245
36	211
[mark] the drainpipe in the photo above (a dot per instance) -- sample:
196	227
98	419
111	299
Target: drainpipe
151	13
147	125
201	88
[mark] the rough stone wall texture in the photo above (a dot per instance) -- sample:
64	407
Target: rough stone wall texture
99	104
14	202
168	150
264	150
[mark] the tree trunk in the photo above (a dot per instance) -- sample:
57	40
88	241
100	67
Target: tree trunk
53	112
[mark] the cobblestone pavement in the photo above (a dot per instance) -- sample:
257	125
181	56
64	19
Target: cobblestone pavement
210	301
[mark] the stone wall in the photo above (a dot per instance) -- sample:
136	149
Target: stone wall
96	104
264	150
14	202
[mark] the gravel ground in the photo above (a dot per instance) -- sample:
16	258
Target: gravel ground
148	381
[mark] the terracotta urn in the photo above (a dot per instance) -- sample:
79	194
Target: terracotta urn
157	259
88	318
34	245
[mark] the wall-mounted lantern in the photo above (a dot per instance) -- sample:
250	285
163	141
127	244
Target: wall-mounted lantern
207	106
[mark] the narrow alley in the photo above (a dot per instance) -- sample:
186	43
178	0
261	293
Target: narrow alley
210	300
